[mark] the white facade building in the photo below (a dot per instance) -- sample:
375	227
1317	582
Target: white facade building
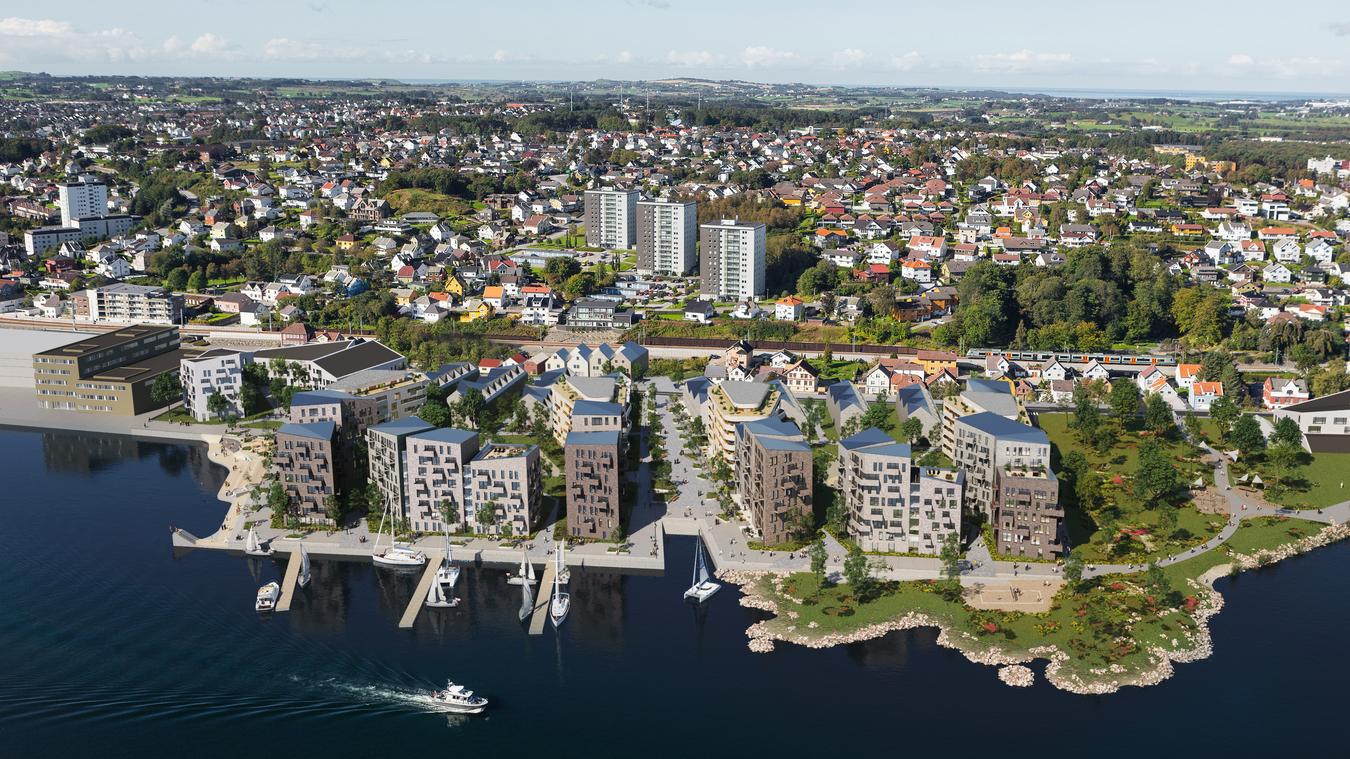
732	259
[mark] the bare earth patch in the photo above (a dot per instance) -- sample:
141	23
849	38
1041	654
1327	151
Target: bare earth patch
1030	596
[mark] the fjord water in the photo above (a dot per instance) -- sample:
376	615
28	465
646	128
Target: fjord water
111	646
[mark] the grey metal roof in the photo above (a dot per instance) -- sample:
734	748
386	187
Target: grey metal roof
313	430
446	435
593	438
317	397
745	394
596	408
404	426
1004	428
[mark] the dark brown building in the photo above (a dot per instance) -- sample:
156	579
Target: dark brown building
773	477
1027	513
592	463
306	465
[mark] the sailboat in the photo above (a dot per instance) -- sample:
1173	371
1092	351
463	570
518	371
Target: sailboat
564	573
526	601
437	598
448	574
303	579
397	555
253	547
526	572
562	601
703	588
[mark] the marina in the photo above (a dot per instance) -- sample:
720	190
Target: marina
420	593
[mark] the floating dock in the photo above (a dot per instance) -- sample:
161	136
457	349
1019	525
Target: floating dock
420	594
289	583
542	599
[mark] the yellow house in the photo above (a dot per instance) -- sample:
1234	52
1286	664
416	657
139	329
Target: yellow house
475	310
934	362
454	285
345	242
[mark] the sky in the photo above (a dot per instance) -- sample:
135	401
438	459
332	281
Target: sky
1238	46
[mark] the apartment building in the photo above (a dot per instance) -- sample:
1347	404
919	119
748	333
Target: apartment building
1008	479
138	304
666	237
603	403
80	200
352	414
893	505
217	370
732	402
109	373
979	396
395	393
1027	515
437	472
773	477
504	481
385	448
306	467
611	218
731	260
592	466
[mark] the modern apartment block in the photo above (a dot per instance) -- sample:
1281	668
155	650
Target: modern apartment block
773	477
109	373
437	470
80	200
505	480
385	447
603	403
306	466
731	259
352	414
611	218
139	304
893	505
1027	515
394	393
979	396
989	446
731	403
592	465
218	370
667	236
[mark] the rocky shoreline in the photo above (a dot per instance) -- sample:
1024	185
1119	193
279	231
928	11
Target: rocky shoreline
763	635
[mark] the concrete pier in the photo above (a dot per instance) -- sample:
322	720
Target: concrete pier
420	594
542	599
289	583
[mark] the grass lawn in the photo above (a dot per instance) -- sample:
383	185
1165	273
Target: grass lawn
1109	621
415	199
1317	482
1139	534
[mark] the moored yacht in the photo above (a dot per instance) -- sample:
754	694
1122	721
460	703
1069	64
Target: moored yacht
398	556
267	597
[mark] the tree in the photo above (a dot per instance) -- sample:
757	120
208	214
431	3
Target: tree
1192	423
435	412
1158	415
1246	435
1332	378
1225	413
1156	476
1286	432
250	399
1155	580
1086	417
1124	400
880	415
1282	458
277	500
217	404
470	406
487	515
197	281
951	556
911	429
818	556
1073	571
166	389
855	572
332	508
177	279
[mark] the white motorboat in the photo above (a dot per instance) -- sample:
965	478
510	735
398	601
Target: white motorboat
303	579
703	587
456	699
255	548
562	601
267	597
525	573
400	556
437	598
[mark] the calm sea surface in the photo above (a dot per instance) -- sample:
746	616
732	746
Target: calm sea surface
110	646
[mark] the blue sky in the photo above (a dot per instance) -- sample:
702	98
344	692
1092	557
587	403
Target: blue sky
1234	46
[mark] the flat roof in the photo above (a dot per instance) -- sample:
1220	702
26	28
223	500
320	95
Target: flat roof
446	435
313	430
105	340
157	364
26	342
593	438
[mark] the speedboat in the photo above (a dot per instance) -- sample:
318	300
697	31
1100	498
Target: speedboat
267	597
456	699
400	556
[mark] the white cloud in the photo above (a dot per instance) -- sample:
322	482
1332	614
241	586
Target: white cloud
1341	29
693	58
766	56
1240	59
1023	62
907	62
42	39
286	49
849	57
1284	68
210	45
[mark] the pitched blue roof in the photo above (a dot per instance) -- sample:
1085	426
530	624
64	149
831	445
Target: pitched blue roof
312	430
1004	428
447	435
596	408
317	397
593	438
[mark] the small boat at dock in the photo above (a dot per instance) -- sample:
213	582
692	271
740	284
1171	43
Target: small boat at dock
253	547
703	587
267	597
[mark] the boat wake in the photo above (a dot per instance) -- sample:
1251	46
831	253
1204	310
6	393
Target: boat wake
378	695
